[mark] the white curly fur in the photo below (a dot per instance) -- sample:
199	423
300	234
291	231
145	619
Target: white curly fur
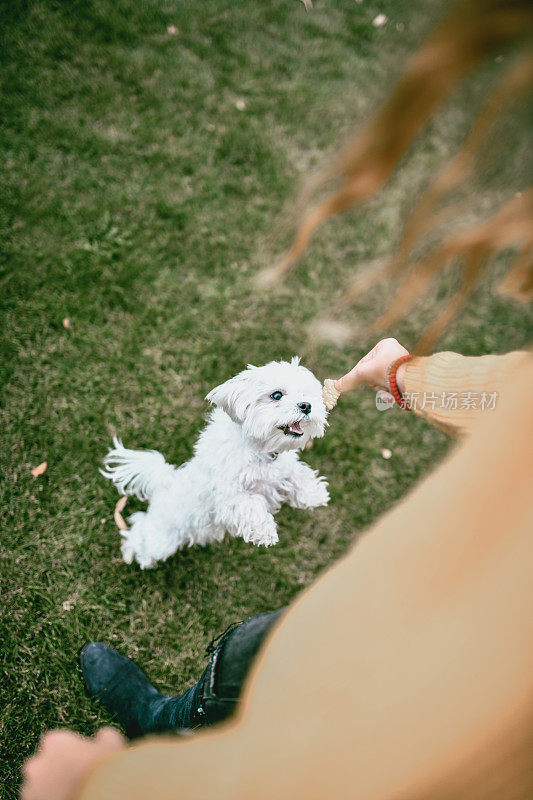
245	465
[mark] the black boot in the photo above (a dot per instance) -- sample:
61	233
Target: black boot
125	691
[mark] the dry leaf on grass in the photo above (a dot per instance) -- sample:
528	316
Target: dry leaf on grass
172	30
67	324
119	519
36	471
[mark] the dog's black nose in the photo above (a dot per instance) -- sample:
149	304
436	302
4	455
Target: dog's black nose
306	407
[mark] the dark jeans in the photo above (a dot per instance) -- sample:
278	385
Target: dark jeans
216	694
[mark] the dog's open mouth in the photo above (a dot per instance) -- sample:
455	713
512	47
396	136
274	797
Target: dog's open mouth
292	430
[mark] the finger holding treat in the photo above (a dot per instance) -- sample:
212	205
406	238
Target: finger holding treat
372	369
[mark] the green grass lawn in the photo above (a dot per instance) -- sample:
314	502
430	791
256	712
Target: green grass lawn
146	177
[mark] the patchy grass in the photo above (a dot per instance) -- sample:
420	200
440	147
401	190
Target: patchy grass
139	201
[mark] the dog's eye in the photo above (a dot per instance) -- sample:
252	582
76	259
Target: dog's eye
276	395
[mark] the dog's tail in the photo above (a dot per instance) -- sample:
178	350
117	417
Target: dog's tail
137	472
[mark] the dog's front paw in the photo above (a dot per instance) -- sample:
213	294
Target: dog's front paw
264	534
312	495
266	539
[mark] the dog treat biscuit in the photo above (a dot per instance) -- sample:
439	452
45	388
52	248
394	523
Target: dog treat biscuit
330	394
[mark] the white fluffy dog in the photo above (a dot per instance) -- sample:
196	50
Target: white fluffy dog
245	465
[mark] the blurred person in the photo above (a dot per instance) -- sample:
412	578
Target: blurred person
406	670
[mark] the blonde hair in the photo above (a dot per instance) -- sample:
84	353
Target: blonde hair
471	31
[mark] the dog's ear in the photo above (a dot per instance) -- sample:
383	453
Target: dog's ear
234	396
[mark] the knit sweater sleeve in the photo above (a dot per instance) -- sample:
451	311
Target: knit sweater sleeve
453	392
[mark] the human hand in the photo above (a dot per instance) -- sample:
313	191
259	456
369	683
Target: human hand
63	759
372	368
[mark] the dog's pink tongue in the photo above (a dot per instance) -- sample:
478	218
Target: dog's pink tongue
295	428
